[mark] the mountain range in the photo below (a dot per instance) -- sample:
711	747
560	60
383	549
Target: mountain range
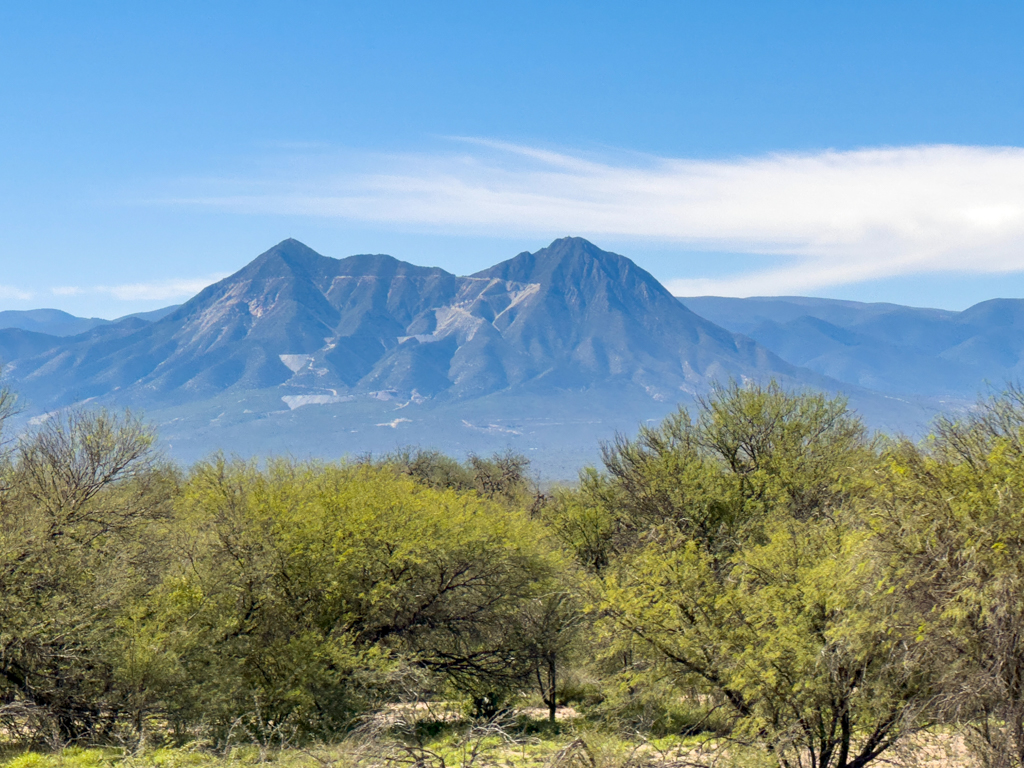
55	322
547	353
568	317
885	347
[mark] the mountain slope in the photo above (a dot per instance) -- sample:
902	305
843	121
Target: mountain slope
18	343
595	316
244	332
746	315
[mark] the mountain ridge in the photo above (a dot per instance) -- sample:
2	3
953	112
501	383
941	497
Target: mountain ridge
886	347
569	316
549	351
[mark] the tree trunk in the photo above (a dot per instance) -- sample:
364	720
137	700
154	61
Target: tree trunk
552	688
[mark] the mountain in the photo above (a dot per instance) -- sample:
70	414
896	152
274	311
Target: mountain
581	316
884	347
17	343
746	315
547	353
151	316
53	322
568	317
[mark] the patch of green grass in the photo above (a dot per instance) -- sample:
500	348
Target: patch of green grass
72	757
523	743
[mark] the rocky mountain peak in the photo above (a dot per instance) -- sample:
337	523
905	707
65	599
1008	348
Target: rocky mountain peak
569	260
289	254
567	316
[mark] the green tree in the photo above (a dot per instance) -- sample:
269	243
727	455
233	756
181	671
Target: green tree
792	637
501	477
714	478
550	626
753	583
80	496
949	519
321	590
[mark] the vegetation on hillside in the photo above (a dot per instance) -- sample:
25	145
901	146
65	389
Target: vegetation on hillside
761	581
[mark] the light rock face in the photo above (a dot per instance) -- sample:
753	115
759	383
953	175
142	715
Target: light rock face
567	317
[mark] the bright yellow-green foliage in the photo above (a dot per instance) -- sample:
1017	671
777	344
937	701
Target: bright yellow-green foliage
759	593
78	501
287	599
951	524
309	590
464	746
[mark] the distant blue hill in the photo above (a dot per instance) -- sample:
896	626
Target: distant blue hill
52	322
885	347
152	315
55	322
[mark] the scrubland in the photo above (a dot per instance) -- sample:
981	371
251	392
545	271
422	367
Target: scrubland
759	583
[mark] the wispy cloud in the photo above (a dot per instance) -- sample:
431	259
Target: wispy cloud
163	290
841	217
10	292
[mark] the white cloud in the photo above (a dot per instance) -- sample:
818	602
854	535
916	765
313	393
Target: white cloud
160	291
841	216
10	292
164	290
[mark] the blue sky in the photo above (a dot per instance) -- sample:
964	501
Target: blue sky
860	150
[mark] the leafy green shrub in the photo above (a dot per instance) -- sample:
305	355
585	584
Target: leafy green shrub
310	593
30	760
